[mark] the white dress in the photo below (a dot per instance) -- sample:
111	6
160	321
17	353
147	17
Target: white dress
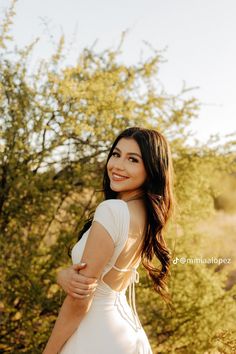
111	325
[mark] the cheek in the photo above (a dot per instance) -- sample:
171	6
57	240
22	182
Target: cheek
143	175
109	165
139	175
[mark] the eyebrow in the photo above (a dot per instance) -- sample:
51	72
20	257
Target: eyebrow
129	153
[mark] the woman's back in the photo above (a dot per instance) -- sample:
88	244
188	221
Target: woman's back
130	255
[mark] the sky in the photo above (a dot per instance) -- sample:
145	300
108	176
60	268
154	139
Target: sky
197	38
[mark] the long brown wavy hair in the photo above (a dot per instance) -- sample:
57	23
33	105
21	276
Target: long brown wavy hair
158	197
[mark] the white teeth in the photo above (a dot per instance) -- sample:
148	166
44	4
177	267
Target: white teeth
117	176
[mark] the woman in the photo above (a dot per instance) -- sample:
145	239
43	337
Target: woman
126	229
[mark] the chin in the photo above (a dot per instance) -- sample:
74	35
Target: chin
116	189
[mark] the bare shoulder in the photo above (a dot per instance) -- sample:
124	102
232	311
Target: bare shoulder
138	217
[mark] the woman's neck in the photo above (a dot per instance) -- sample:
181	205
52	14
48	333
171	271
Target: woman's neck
134	195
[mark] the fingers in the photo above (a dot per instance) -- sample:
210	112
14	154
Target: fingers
83	279
82	286
77	296
86	280
80	294
78	278
79	266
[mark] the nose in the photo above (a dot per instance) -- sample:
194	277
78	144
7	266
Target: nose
118	165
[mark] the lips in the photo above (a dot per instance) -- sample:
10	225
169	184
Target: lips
118	177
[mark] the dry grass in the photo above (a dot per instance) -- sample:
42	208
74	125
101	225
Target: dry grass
220	241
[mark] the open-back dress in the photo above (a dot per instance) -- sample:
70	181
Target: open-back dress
111	325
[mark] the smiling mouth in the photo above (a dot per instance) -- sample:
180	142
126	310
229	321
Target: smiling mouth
118	177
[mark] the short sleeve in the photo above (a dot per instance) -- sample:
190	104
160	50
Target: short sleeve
109	215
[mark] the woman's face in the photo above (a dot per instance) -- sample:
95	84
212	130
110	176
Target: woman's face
125	168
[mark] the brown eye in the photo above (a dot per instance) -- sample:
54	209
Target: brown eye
115	154
132	159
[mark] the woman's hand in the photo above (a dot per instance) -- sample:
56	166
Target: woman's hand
74	284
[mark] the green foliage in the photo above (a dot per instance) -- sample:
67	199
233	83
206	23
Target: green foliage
201	308
56	126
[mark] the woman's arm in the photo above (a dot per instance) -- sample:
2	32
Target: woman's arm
97	253
75	284
68	320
